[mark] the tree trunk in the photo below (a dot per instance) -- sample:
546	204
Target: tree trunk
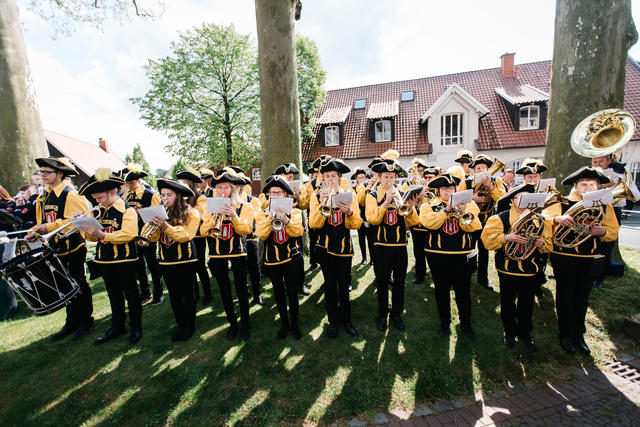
280	113
592	38
21	136
227	133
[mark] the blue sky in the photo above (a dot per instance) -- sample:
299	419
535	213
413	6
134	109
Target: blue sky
83	81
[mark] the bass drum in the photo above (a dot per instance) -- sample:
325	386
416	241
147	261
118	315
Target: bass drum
40	279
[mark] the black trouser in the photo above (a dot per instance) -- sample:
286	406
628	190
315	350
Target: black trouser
80	307
516	317
419	242
483	258
313	238
297	263
283	276
253	265
390	259
362	240
201	268
147	259
181	282
541	276
371	238
574	281
451	270
239	266
336	272
120	281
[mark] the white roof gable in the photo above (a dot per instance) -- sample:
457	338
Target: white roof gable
455	89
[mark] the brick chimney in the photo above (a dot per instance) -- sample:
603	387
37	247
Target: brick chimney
506	64
103	144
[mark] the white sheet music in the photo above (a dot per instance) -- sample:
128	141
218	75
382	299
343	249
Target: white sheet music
295	184
347	197
532	200
544	184
88	221
477	177
597	198
147	214
461	197
216	204
284	203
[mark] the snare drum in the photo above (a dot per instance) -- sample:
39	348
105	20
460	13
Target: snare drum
40	279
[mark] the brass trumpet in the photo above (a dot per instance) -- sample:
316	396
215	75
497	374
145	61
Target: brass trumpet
149	234
325	207
277	224
400	203
216	230
463	217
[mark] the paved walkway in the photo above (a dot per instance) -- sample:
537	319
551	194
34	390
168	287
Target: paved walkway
599	397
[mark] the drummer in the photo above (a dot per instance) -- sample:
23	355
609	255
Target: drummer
54	208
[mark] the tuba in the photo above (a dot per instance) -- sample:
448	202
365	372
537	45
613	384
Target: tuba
482	190
603	132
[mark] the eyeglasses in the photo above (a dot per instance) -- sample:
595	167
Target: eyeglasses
276	193
45	172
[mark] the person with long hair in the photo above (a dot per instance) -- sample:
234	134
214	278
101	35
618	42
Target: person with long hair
226	231
191	178
178	254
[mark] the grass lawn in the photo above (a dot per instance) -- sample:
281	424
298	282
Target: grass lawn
211	381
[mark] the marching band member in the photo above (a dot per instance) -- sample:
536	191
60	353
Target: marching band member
310	187
279	250
362	192
508	178
116	253
227	244
54	208
360	177
517	277
191	178
137	196
573	268
496	190
205	188
178	254
334	244
449	242
390	246
419	232
464	159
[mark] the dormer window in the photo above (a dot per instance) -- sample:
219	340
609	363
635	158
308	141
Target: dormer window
383	130
529	117
331	136
451	129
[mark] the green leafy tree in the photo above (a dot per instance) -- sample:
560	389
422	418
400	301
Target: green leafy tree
137	156
205	95
161	173
311	79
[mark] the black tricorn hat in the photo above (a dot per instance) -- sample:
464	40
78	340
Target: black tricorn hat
373	162
504	202
387	165
174	185
190	174
431	170
418	162
285	169
61	164
237	169
358	171
277	181
444	180
464	156
481	158
225	175
100	182
206	173
334	165
586	172
312	170
133	171
320	160
531	166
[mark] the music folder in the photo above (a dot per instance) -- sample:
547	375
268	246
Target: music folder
284	203
461	197
597	198
216	204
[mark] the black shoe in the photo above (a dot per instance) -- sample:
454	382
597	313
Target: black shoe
110	334
332	331
468	332
136	334
83	330
66	330
282	333
418	280
295	331
313	266
206	301
582	345
259	300
538	293
568	346
304	290
371	263
146	296
486	285
351	330
398	322
157	301
531	346
232	332
382	323
444	331
364	261
245	332
509	341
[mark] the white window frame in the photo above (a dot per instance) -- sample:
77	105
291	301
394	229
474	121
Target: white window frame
381	136
407	99
452	140
328	131
529	124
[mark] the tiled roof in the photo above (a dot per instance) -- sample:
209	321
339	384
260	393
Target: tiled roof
86	156
381	110
522	94
334	115
495	128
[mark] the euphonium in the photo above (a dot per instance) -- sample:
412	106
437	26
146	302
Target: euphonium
584	218
481	190
325	206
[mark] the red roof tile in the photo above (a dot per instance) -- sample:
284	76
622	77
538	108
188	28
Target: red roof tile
495	130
